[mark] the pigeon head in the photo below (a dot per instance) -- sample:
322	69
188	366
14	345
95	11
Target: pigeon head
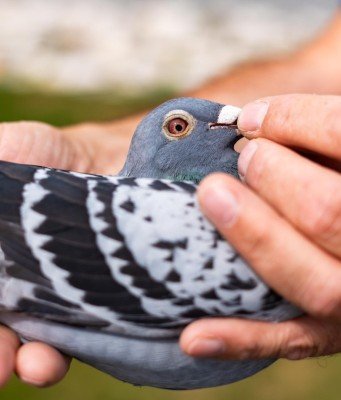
184	139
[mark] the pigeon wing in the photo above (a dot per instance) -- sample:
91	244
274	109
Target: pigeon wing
121	253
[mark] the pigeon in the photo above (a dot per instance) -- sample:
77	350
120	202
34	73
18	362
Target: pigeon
110	269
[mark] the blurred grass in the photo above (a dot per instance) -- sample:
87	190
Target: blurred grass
68	109
304	380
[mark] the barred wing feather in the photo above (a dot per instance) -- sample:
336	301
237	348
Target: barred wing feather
122	254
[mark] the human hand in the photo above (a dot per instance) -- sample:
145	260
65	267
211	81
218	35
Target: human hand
85	148
286	222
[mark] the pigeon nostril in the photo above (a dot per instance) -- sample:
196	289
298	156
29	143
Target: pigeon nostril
220	125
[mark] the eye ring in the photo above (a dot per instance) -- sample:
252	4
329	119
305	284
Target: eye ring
178	124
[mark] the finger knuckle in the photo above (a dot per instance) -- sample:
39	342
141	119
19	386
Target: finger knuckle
326	305
329	340
316	338
22	141
302	348
281	116
8	337
250	350
246	344
332	122
297	344
255	242
266	160
322	218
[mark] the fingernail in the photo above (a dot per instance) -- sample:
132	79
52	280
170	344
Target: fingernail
252	116
220	204
33	382
245	158
206	348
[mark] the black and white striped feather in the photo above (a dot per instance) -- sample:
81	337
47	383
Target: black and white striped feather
121	253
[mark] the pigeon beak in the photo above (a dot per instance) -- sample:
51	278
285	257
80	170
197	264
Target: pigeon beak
227	118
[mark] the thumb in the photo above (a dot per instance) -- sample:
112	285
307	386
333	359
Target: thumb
308	122
244	340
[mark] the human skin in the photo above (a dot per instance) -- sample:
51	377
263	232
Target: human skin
101	148
286	222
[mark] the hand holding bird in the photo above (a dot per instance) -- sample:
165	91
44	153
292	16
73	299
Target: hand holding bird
290	210
295	328
119	264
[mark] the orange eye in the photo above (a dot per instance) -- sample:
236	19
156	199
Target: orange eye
177	127
178	124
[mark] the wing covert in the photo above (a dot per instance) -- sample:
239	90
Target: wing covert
117	252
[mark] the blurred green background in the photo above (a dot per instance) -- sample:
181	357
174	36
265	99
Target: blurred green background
67	108
303	380
23	97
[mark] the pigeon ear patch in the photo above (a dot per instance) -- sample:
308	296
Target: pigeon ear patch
178	124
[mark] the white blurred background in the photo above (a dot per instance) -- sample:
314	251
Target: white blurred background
134	45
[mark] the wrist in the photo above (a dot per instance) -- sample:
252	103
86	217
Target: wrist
319	60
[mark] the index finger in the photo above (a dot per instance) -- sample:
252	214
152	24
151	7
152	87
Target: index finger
306	122
9	344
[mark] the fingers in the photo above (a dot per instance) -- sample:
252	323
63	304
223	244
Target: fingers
40	365
242	340
285	259
305	121
35	363
9	344
39	144
306	194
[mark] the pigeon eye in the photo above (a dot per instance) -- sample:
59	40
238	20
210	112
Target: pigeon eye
178	124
